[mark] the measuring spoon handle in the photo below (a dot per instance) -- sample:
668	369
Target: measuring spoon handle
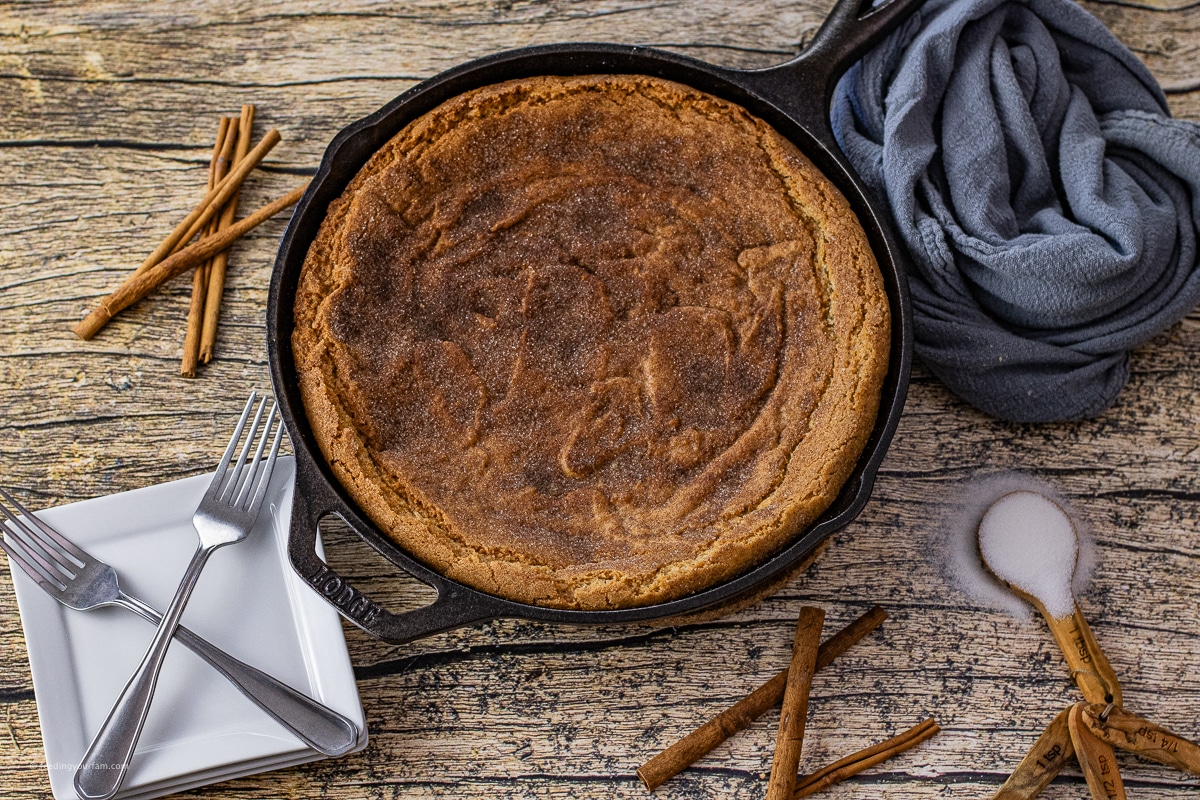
1042	763
1096	758
1130	732
1089	666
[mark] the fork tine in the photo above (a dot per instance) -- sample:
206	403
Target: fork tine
265	478
19	534
46	580
214	487
229	491
247	488
63	543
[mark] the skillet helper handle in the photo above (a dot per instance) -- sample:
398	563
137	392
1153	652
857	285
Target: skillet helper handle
453	607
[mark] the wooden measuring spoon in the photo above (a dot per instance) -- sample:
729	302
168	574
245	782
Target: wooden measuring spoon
1042	763
1030	544
1130	732
1096	758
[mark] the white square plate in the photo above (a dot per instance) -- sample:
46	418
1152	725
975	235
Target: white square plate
249	602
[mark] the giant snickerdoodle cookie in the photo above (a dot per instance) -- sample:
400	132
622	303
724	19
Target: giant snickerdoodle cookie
591	342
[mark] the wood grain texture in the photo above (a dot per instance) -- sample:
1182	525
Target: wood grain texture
108	112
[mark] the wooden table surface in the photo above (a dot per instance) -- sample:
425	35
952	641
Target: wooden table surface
109	113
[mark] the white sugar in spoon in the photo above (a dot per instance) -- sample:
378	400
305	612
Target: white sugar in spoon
1029	542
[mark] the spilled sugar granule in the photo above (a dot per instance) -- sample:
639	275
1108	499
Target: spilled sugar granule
957	547
1028	541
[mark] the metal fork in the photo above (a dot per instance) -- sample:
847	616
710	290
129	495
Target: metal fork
225	516
80	581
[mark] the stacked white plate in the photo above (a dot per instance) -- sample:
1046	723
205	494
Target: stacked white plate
249	602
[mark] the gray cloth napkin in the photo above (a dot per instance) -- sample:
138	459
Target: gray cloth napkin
1049	203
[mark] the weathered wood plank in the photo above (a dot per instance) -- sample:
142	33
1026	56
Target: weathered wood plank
109	113
1166	37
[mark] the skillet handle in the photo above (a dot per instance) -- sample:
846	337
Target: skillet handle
454	607
846	34
804	86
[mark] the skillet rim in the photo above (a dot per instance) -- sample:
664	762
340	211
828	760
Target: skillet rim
459	603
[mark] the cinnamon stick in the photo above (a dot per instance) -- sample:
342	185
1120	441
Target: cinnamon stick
216	278
138	286
195	221
700	742
191	340
792	717
864	759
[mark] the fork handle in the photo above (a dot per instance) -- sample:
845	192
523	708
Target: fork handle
317	725
102	769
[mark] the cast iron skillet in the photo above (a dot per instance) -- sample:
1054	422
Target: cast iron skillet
793	97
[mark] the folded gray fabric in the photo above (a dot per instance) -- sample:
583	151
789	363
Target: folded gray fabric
1050	205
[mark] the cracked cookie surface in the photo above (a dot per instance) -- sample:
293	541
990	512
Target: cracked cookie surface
591	342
